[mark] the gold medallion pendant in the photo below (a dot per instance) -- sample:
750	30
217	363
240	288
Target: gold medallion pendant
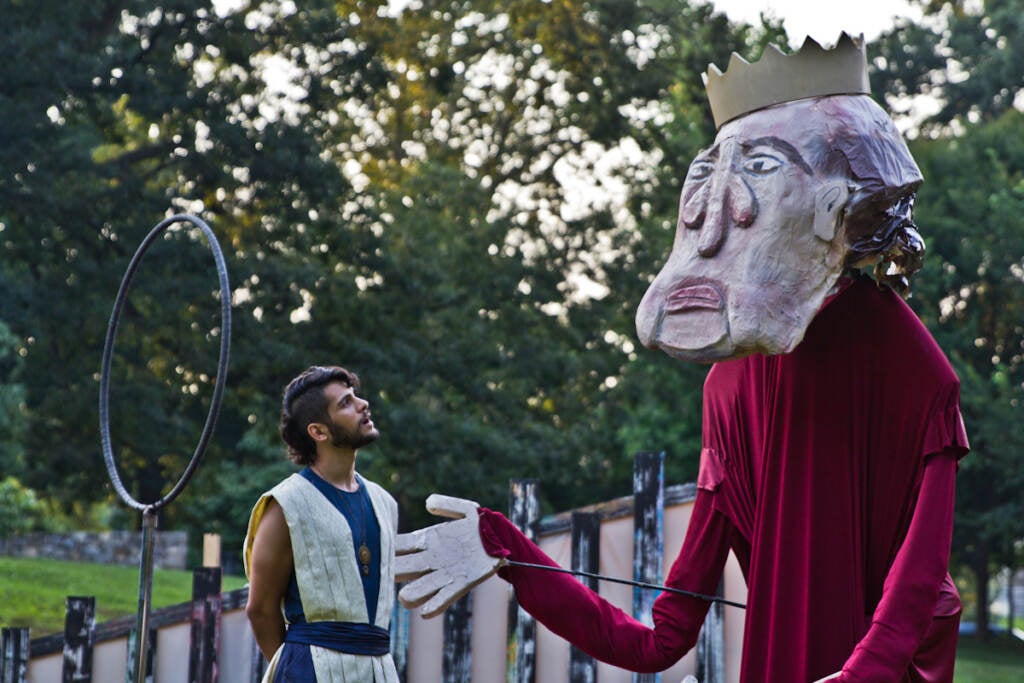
364	558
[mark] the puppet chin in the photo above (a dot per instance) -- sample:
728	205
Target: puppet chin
708	336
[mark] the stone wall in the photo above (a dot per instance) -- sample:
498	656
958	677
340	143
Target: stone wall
170	548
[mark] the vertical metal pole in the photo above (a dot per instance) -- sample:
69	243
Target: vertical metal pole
648	537
138	665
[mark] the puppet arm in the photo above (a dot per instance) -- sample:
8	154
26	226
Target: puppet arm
444	561
911	589
574	612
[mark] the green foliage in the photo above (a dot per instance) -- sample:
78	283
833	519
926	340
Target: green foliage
965	55
34	591
971	295
403	207
21	510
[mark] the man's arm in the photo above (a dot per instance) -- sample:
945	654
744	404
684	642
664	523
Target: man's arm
912	586
269	571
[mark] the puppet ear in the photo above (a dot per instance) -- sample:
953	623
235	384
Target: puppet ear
829	208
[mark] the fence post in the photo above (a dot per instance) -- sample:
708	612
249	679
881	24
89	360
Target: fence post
205	635
457	661
524	510
211	550
586	556
79	638
711	646
14	644
259	664
400	637
648	536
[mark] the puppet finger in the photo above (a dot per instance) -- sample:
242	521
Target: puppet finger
448	506
417	592
409	567
442	600
412	542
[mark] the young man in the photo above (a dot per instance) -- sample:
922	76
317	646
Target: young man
319	550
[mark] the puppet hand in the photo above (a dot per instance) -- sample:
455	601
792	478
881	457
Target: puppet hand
833	677
445	561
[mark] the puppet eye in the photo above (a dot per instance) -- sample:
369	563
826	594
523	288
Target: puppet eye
699	170
761	164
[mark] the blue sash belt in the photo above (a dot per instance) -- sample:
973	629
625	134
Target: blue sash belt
344	636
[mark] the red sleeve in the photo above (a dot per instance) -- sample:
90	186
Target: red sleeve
911	588
585	619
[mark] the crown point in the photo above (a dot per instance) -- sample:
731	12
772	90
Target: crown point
736	61
811	45
813	71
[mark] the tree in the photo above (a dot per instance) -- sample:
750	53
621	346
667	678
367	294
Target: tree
965	58
971	295
12	402
462	201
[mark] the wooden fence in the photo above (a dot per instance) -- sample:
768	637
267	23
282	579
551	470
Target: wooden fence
485	637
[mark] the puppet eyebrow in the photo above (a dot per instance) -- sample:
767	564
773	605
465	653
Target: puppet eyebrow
783	147
710	154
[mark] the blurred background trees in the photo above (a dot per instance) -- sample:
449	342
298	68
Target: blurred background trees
463	202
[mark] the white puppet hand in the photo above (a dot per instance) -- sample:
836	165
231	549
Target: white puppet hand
445	561
833	677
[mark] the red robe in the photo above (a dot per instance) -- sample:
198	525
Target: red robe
829	471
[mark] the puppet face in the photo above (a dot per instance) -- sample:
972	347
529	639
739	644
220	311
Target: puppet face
758	243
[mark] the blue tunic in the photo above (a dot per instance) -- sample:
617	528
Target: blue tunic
296	663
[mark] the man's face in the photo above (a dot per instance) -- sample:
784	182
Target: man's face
757	243
350	424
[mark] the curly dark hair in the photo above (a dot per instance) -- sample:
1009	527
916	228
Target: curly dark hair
304	403
864	142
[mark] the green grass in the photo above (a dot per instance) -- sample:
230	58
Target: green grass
33	591
999	660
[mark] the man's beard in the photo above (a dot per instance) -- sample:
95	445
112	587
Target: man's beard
342	438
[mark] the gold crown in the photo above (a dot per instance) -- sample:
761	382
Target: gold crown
813	71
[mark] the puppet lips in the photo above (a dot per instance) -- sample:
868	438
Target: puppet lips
694	297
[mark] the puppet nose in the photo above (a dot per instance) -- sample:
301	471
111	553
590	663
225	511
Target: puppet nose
725	202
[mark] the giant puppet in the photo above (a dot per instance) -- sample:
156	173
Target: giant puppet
831	426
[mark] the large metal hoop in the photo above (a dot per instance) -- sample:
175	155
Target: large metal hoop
222	364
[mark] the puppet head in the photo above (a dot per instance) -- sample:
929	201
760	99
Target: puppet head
807	175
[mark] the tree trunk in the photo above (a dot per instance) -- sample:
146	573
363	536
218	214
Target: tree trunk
981	578
1012	615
